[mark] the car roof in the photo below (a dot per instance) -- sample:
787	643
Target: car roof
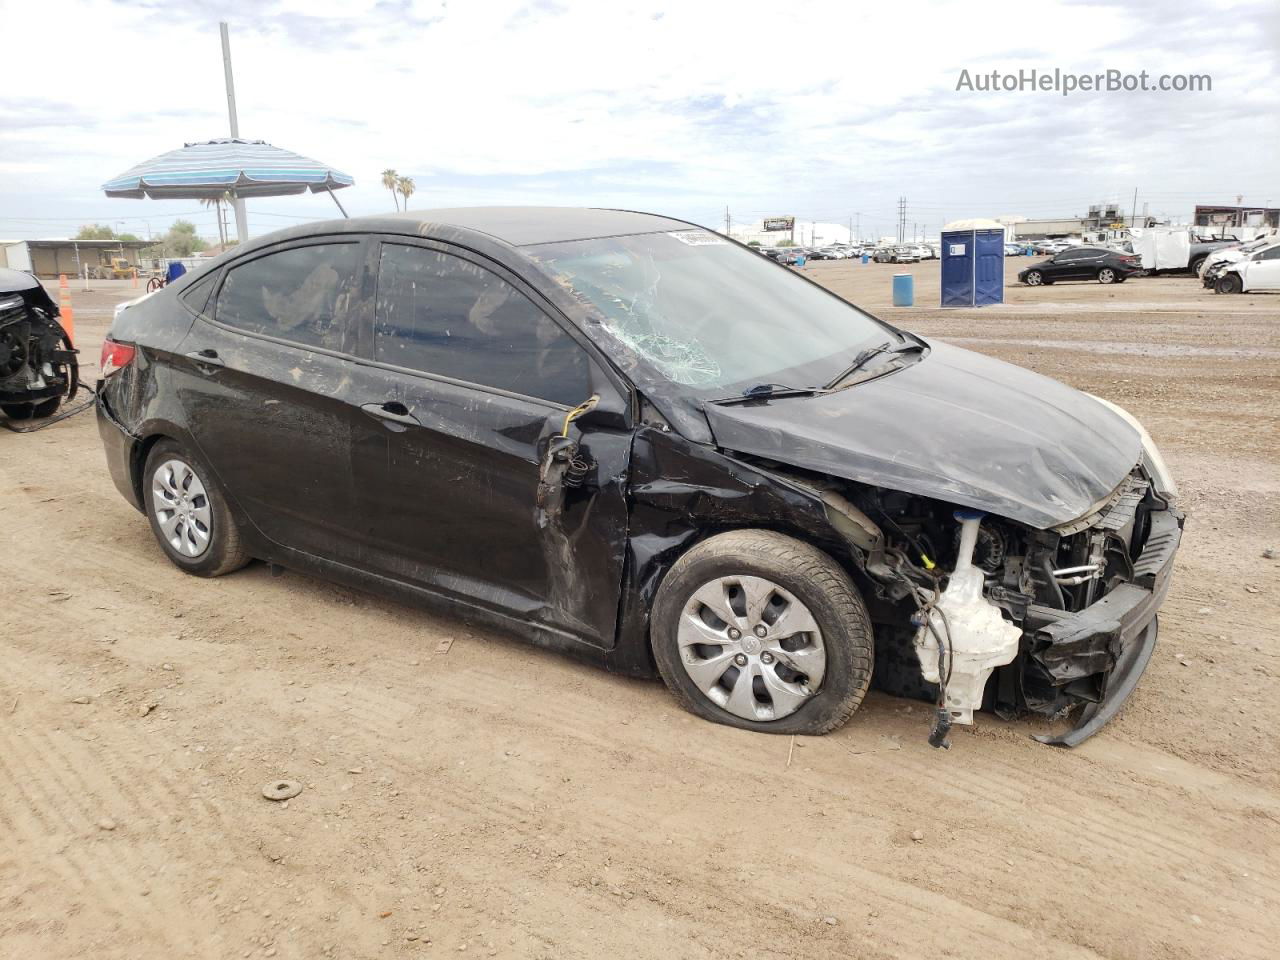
515	226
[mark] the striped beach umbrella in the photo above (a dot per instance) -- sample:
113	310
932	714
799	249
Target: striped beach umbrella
215	168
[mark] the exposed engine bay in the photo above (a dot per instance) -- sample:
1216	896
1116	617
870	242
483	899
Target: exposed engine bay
38	368
974	610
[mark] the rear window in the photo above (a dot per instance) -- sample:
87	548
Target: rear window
197	295
301	294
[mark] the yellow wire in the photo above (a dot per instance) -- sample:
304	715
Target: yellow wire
584	407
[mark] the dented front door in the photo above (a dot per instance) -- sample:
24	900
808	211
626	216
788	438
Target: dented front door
483	377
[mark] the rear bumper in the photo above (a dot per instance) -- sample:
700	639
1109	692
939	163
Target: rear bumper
120	447
1109	643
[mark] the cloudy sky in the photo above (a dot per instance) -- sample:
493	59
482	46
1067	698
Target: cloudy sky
821	110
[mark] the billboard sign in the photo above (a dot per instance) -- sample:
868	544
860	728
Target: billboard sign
779	224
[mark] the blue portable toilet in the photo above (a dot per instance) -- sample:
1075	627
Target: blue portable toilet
972	263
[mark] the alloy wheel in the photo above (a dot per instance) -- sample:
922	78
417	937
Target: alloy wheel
752	647
182	509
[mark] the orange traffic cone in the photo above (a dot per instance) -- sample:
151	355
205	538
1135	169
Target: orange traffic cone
67	315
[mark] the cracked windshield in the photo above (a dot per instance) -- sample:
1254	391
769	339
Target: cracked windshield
711	315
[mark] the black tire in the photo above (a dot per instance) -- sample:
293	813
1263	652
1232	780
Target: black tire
1107	275
1034	278
225	551
1195	265
1229	283
816	580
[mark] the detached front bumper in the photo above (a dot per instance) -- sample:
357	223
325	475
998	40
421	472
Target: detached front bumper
1097	654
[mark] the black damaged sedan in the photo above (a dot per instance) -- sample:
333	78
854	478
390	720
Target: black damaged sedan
625	437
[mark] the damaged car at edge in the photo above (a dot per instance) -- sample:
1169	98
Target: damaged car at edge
38	368
628	438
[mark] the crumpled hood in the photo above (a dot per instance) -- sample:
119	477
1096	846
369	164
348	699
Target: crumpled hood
956	426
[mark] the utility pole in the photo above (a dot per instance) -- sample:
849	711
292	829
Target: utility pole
902	219
1133	217
726	220
242	220
858	218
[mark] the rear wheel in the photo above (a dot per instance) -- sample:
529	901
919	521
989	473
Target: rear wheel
188	514
1034	278
1106	275
1196	265
761	631
1229	283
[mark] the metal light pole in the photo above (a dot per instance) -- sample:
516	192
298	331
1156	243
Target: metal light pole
242	221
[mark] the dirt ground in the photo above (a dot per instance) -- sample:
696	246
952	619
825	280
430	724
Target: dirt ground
499	800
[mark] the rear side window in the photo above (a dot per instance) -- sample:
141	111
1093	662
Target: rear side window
440	314
197	295
301	294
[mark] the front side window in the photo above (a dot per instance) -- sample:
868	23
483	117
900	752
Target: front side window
708	314
441	314
301	294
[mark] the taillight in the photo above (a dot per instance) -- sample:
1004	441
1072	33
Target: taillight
114	356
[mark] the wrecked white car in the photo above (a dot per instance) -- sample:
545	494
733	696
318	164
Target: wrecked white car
1257	270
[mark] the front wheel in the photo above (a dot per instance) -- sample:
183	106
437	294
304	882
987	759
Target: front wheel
1229	283
189	516
1106	275
761	631
1035	278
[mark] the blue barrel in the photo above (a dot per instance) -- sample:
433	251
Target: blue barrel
800	261
866	258
904	290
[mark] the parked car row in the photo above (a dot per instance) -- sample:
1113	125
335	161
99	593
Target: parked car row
897	253
905	253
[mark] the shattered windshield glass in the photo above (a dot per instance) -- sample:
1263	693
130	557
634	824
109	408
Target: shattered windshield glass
708	314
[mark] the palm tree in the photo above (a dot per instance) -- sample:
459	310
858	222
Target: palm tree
391	181
216	203
405	186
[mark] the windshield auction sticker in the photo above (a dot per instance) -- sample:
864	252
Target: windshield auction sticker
697	238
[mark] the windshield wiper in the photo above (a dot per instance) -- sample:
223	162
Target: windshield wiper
865	356
770	391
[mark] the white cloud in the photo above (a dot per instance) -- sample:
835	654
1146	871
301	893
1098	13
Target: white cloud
820	109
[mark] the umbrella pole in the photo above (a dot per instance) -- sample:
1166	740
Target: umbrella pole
338	202
242	220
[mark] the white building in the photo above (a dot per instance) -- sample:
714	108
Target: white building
806	233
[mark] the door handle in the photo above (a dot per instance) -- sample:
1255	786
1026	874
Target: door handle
393	411
207	360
